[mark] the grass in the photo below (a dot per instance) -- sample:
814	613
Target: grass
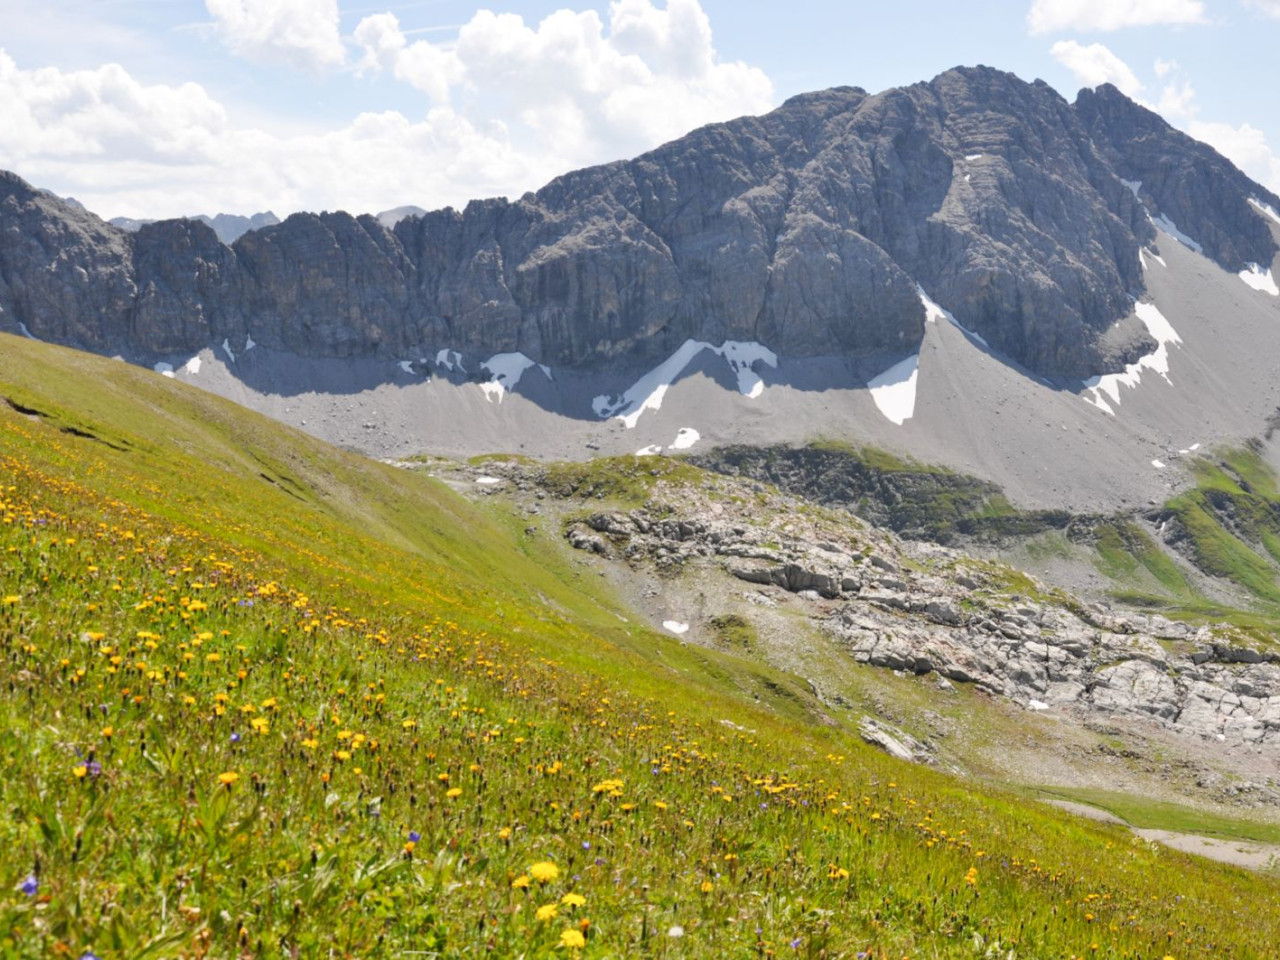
339	711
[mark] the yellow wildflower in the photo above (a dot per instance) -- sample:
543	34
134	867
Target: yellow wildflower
572	939
544	871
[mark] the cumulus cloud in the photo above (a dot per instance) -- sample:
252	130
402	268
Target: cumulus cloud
1095	65
507	106
1051	16
1269	7
125	148
596	89
302	33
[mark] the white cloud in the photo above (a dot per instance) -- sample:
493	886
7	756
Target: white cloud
1164	67
302	33
1050	16
1095	65
597	90
1269	7
510	107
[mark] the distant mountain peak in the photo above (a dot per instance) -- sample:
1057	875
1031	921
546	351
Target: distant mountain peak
229	227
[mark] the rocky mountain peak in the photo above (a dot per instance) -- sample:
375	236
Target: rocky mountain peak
811	229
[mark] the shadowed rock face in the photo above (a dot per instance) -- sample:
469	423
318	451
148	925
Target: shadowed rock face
806	229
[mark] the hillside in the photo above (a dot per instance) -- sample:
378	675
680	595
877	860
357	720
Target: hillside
266	697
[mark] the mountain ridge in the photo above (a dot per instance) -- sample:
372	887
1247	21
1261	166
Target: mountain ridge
809	229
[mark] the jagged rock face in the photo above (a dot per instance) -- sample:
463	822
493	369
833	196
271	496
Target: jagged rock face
64	273
807	229
1190	183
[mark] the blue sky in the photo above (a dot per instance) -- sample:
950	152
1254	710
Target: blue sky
155	108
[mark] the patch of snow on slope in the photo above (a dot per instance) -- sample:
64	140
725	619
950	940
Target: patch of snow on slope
894	391
1164	224
647	392
164	369
650	451
192	366
1265	208
1158	464
488	481
973	156
933	312
675	626
1134	186
406	366
507	369
226	348
742	356
449	359
1158	360
1143	253
25	332
1259	279
685	439
248	343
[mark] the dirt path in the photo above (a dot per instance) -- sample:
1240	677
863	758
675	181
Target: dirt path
1249	854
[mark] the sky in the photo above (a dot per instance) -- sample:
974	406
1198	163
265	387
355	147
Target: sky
160	108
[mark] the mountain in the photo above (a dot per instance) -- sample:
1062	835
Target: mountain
389	218
229	227
1061	298
808	229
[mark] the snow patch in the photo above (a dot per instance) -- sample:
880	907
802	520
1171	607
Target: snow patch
1143	253
933	312
966	178
1158	360
650	451
25	332
675	626
894	391
449	359
647	392
164	369
1259	279
226	348
1158	464
488	481
1265	208
406	366
192	366
973	156
1037	705
248	343
1165	225
1194	447
1134	186
507	369
685	439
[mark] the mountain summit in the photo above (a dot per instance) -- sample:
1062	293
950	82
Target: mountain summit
809	229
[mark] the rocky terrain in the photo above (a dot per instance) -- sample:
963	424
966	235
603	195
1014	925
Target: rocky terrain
808	229
726	561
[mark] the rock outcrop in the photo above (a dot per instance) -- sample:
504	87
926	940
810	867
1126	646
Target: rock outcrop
807	229
924	609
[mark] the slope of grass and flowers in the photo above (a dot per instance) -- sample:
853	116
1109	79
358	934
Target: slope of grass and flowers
266	699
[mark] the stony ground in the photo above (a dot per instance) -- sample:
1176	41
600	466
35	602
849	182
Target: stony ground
940	657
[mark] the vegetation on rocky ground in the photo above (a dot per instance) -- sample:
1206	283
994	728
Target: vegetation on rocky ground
262	698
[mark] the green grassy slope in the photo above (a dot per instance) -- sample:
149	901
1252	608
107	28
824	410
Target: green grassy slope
264	698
